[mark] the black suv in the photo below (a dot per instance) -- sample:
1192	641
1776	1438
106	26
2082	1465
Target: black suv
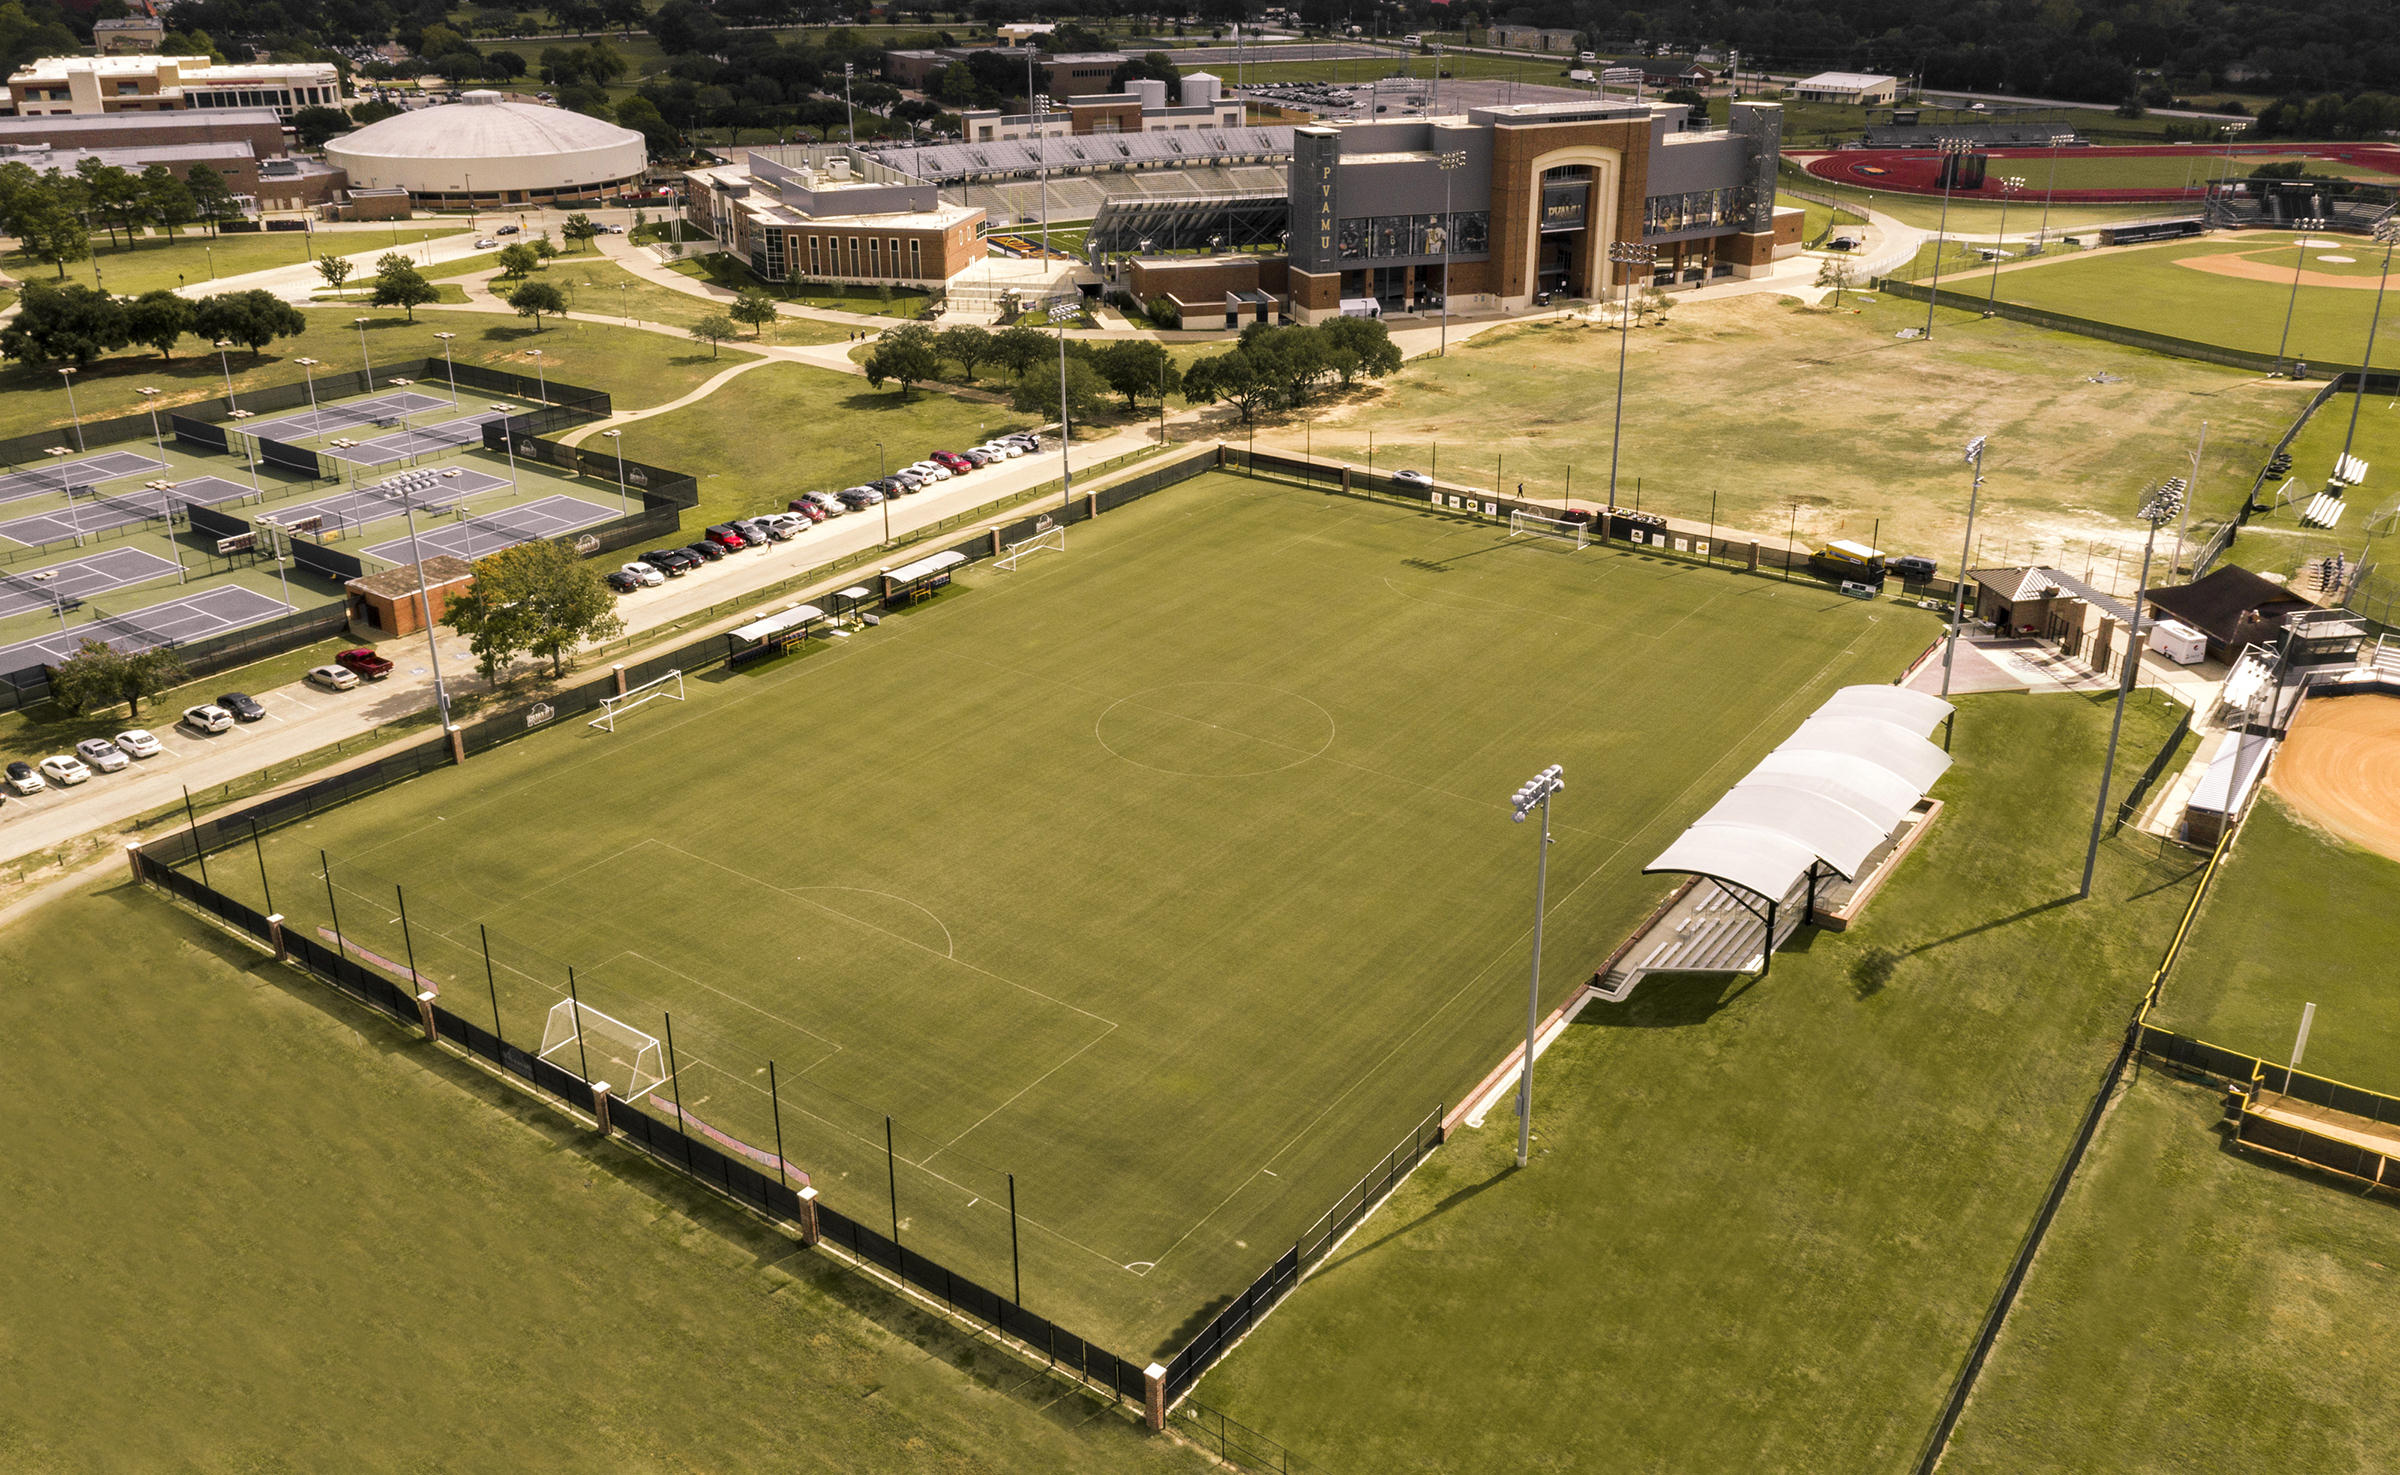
673	562
243	707
707	551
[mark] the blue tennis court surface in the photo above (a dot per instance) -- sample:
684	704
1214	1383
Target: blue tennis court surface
326	419
417	441
83	472
84	578
100	513
175	622
503	527
435	491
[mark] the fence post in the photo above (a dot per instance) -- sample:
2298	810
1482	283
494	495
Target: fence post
809	1233
275	936
425	1016
618	671
1154	1397
1753	555
600	1107
458	743
133	858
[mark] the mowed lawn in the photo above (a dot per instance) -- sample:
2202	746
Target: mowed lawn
2275	542
1765	1217
2195	1307
193	259
785	429
1173	876
1818	425
254	1228
2144	287
2295	917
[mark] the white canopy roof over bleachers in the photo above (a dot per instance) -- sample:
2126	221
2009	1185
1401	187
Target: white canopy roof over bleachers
776	624
1830	794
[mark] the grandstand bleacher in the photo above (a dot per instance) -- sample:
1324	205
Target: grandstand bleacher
1190	223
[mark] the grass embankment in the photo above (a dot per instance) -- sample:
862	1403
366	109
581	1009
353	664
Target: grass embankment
193	260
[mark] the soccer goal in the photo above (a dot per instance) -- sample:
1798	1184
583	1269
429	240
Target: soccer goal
1523	524
611	708
1048	539
580	1038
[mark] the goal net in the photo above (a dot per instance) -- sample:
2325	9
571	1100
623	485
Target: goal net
1051	540
611	708
581	1038
1523	524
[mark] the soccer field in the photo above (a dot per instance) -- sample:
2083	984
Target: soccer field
1172	876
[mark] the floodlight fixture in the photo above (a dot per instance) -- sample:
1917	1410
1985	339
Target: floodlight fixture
1536	791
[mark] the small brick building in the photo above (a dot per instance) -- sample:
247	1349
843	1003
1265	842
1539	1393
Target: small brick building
388	604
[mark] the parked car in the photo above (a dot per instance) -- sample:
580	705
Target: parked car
978	457
861	498
1031	440
24	780
333	678
623	582
364	663
1007	450
102	754
728	537
760	530
508	230
802	507
906	479
207	718
706	551
829	503
892	488
614	230
930	470
485	243
65	770
643	575
952	462
242	705
1412	479
138	742
1912	568
783	526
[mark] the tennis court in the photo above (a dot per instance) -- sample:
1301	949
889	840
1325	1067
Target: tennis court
72	583
433	491
489	532
422	440
89	470
102	513
174	622
326	419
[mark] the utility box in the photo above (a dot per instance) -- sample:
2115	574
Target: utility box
2178	642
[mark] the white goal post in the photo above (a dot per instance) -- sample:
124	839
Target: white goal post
1523	524
1049	539
579	1037
669	686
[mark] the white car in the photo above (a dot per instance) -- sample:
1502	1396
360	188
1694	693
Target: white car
137	742
792	523
24	780
208	717
102	754
651	578
930	470
486	243
1413	479
1002	449
831	503
65	770
333	678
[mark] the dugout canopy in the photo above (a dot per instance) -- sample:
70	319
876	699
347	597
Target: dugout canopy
1828	796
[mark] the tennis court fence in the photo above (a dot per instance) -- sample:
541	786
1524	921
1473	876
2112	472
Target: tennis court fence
202	657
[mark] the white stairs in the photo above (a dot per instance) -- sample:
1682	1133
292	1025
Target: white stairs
1708	932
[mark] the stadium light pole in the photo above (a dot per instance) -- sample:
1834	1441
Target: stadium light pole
2387	230
849	114
1450	162
1622	255
2008	187
1958	610
449	366
1041	156
541	374
2041	237
1953	149
887	496
308	366
1535	791
2304	225
441	692
2160	507
624	504
66	484
66	376
226	365
150	400
1059	313
367	363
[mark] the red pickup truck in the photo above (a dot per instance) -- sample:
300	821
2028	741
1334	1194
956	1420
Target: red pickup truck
368	665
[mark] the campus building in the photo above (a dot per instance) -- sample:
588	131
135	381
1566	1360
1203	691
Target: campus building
1057	74
1140	108
245	145
834	222
158	84
484	148
1861	89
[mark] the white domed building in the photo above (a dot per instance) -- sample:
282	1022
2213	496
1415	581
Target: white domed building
490	151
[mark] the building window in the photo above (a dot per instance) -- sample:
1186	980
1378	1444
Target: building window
1697	210
894	258
916	263
814	269
854	271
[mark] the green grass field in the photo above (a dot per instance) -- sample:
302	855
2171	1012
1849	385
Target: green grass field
2194	1308
193	259
1765	1217
2291	921
2275	542
721	269
1293	718
2146	287
278	1234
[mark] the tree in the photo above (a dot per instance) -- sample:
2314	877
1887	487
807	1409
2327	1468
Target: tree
167	200
905	354
111	192
508	64
315	125
53	234
374	111
158	320
1289	360
533	299
54	324
537	597
968	344
400	284
1231	377
335	270
1359	346
1135	367
755	308
1036	390
642	116
99	675
1020	348
543	247
253	319
516	259
1834	272
579	230
212	197
715	329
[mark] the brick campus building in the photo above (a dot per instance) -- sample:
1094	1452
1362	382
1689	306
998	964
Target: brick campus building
825	223
1535	196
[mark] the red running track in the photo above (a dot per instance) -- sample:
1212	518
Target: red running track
1917	171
